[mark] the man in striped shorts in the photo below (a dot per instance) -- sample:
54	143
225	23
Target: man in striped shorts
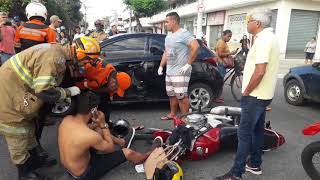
181	49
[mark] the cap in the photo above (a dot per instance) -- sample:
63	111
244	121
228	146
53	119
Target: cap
124	82
55	18
2	13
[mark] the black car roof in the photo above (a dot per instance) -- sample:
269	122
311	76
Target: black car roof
129	35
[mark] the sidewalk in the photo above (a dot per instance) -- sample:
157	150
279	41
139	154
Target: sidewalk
286	64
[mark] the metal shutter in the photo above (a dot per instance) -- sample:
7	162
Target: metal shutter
303	26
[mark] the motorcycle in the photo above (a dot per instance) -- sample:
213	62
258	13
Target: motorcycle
310	155
199	135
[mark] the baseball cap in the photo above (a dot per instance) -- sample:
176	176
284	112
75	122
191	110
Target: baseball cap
124	82
55	18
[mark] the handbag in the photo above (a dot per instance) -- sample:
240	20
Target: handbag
228	62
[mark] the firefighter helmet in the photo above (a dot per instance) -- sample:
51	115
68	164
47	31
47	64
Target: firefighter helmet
87	48
36	9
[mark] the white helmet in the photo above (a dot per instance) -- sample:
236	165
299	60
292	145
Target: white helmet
36	9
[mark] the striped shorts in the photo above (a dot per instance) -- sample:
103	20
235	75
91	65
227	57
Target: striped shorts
177	85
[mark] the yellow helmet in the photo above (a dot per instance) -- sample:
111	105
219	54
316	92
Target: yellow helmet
87	48
170	171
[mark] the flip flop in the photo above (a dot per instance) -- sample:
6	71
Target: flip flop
138	127
166	118
219	100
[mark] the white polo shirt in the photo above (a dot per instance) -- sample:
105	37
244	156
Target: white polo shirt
264	50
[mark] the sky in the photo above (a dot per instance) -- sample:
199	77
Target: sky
100	8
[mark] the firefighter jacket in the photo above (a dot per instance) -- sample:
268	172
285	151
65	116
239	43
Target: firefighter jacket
99	35
95	76
29	72
32	33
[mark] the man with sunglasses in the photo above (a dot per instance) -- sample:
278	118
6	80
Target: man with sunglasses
258	87
99	33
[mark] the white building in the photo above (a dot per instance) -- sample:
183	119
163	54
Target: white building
295	21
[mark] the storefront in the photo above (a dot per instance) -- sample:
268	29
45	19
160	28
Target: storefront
304	25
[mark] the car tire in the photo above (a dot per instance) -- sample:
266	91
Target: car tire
200	94
294	93
64	108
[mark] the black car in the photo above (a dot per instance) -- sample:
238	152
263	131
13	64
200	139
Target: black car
140	54
302	83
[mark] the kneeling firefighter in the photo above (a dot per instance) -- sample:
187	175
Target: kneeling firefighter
102	79
28	80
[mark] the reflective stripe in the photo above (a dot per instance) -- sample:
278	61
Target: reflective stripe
14	130
24	74
20	70
44	80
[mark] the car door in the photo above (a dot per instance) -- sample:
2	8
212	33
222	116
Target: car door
127	55
154	83
314	82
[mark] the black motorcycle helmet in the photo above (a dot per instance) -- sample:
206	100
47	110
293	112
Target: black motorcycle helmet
120	128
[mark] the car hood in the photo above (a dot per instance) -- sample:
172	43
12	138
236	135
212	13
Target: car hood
301	69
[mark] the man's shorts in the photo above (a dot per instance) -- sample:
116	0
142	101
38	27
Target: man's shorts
177	85
19	147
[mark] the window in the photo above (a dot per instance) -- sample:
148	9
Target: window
128	48
157	45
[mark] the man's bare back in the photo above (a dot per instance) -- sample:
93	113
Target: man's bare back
75	140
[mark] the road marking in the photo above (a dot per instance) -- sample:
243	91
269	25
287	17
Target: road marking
280	76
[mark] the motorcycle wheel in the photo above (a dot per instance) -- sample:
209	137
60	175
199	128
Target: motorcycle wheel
310	159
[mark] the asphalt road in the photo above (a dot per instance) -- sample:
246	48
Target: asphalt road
281	164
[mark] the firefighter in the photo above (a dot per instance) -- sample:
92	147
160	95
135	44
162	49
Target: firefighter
29	79
99	33
105	81
34	31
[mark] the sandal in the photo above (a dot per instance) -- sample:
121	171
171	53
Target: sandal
219	100
166	118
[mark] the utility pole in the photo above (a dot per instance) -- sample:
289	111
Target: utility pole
199	19
130	21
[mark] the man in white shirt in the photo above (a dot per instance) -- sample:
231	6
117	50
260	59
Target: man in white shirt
258	86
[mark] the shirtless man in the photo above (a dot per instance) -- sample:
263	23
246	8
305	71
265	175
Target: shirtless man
81	135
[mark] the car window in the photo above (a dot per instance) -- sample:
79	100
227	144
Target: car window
156	46
133	47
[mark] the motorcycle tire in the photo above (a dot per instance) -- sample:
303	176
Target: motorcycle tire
306	158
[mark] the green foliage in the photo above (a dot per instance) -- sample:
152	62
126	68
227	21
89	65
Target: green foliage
67	10
146	7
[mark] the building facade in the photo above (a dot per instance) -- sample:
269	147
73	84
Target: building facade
295	22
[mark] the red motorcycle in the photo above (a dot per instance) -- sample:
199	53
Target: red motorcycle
310	156
202	134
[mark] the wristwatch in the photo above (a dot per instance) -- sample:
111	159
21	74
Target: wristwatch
106	126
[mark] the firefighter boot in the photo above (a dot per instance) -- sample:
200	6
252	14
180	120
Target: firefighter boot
43	157
26	171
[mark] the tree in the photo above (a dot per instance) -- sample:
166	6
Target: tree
144	8
67	10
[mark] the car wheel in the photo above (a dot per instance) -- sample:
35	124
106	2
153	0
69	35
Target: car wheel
200	94
293	93
63	108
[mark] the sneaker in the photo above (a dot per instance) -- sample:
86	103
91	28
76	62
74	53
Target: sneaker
227	176
157	142
129	137
253	170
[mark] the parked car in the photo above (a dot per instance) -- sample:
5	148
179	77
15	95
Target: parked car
302	83
139	55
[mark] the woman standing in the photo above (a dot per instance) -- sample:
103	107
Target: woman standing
64	38
310	50
245	44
